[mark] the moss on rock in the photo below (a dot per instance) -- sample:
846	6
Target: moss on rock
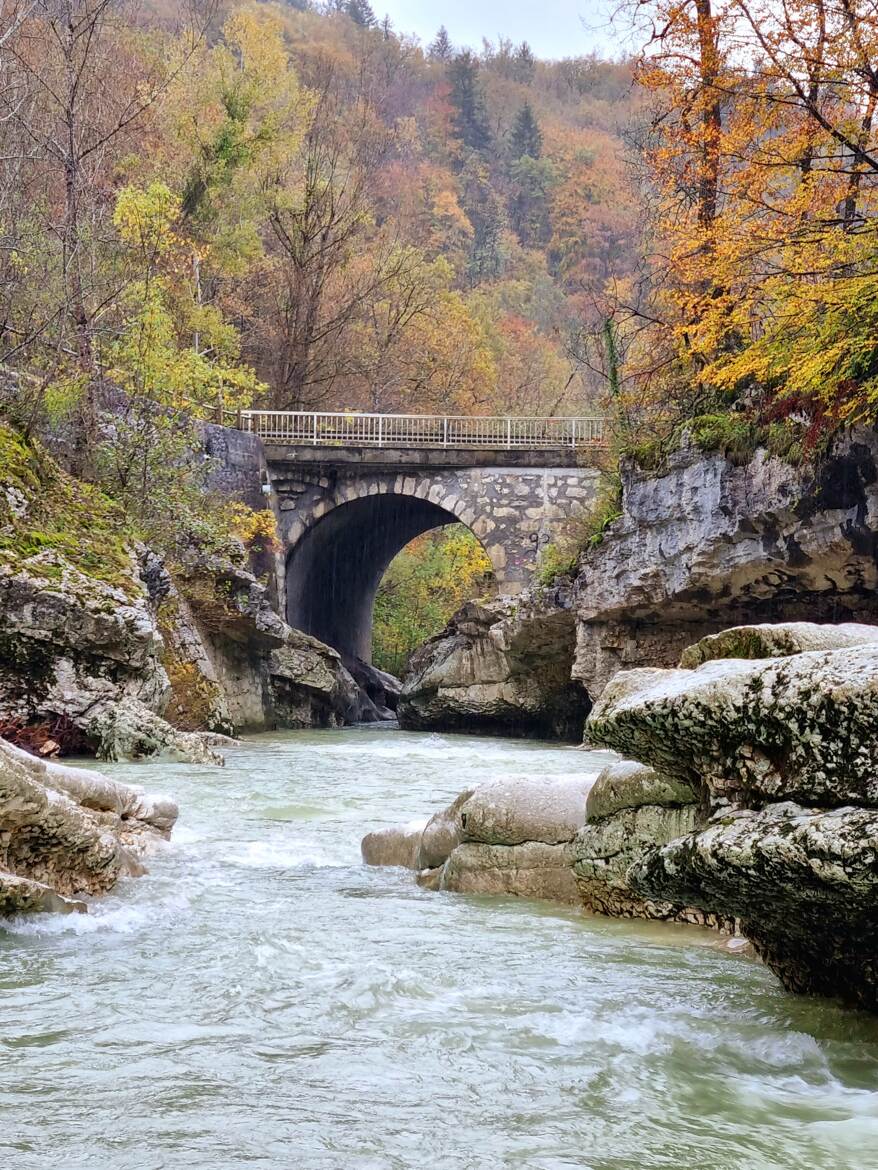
42	508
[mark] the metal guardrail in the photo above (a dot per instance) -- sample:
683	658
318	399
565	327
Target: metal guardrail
420	430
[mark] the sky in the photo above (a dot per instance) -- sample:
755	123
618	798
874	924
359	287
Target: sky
553	28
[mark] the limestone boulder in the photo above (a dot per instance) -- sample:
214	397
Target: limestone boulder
629	785
803	727
397	845
67	832
310	686
779	640
604	851
509	837
533	869
19	895
502	668
129	730
70	643
442	834
422	846
632	810
803	882
82	661
377	692
513	812
235	665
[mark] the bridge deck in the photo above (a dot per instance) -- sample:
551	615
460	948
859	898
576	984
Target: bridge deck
406	431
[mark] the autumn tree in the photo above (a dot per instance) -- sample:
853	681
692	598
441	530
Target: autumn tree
81	97
424	585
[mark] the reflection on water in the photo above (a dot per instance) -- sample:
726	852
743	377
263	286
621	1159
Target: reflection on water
263	1000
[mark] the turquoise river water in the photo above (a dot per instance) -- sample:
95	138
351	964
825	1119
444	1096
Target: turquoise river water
262	999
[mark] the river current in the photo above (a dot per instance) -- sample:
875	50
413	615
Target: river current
262	999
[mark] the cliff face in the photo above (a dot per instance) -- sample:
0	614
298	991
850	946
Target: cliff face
103	651
89	667
708	544
503	668
700	546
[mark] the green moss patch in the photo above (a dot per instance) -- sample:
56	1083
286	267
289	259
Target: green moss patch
737	436
43	508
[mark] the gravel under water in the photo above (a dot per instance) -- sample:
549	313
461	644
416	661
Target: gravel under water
262	999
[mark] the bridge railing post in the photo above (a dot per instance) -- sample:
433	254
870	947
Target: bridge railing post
380	430
509	432
314	423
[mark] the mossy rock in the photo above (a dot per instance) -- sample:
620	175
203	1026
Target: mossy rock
628	784
42	508
776	641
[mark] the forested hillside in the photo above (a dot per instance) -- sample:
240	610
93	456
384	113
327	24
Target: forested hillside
299	208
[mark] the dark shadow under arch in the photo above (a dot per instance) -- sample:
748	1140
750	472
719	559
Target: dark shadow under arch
335	568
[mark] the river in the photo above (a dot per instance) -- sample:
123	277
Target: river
261	999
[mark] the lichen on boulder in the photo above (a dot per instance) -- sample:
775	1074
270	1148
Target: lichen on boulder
776	641
803	727
802	881
630	810
783	748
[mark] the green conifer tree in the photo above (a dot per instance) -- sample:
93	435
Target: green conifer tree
441	48
525	63
526	137
360	12
471	116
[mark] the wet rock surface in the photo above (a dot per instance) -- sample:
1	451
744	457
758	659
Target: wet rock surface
802	881
501	668
785	839
66	832
508	837
376	695
309	684
630	810
235	665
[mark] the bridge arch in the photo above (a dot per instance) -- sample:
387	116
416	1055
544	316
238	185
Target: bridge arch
335	564
344	513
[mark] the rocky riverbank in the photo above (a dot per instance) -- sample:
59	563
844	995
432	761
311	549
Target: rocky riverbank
68	832
780	740
107	650
746	800
704	543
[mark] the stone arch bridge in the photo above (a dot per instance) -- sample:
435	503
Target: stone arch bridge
350	491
